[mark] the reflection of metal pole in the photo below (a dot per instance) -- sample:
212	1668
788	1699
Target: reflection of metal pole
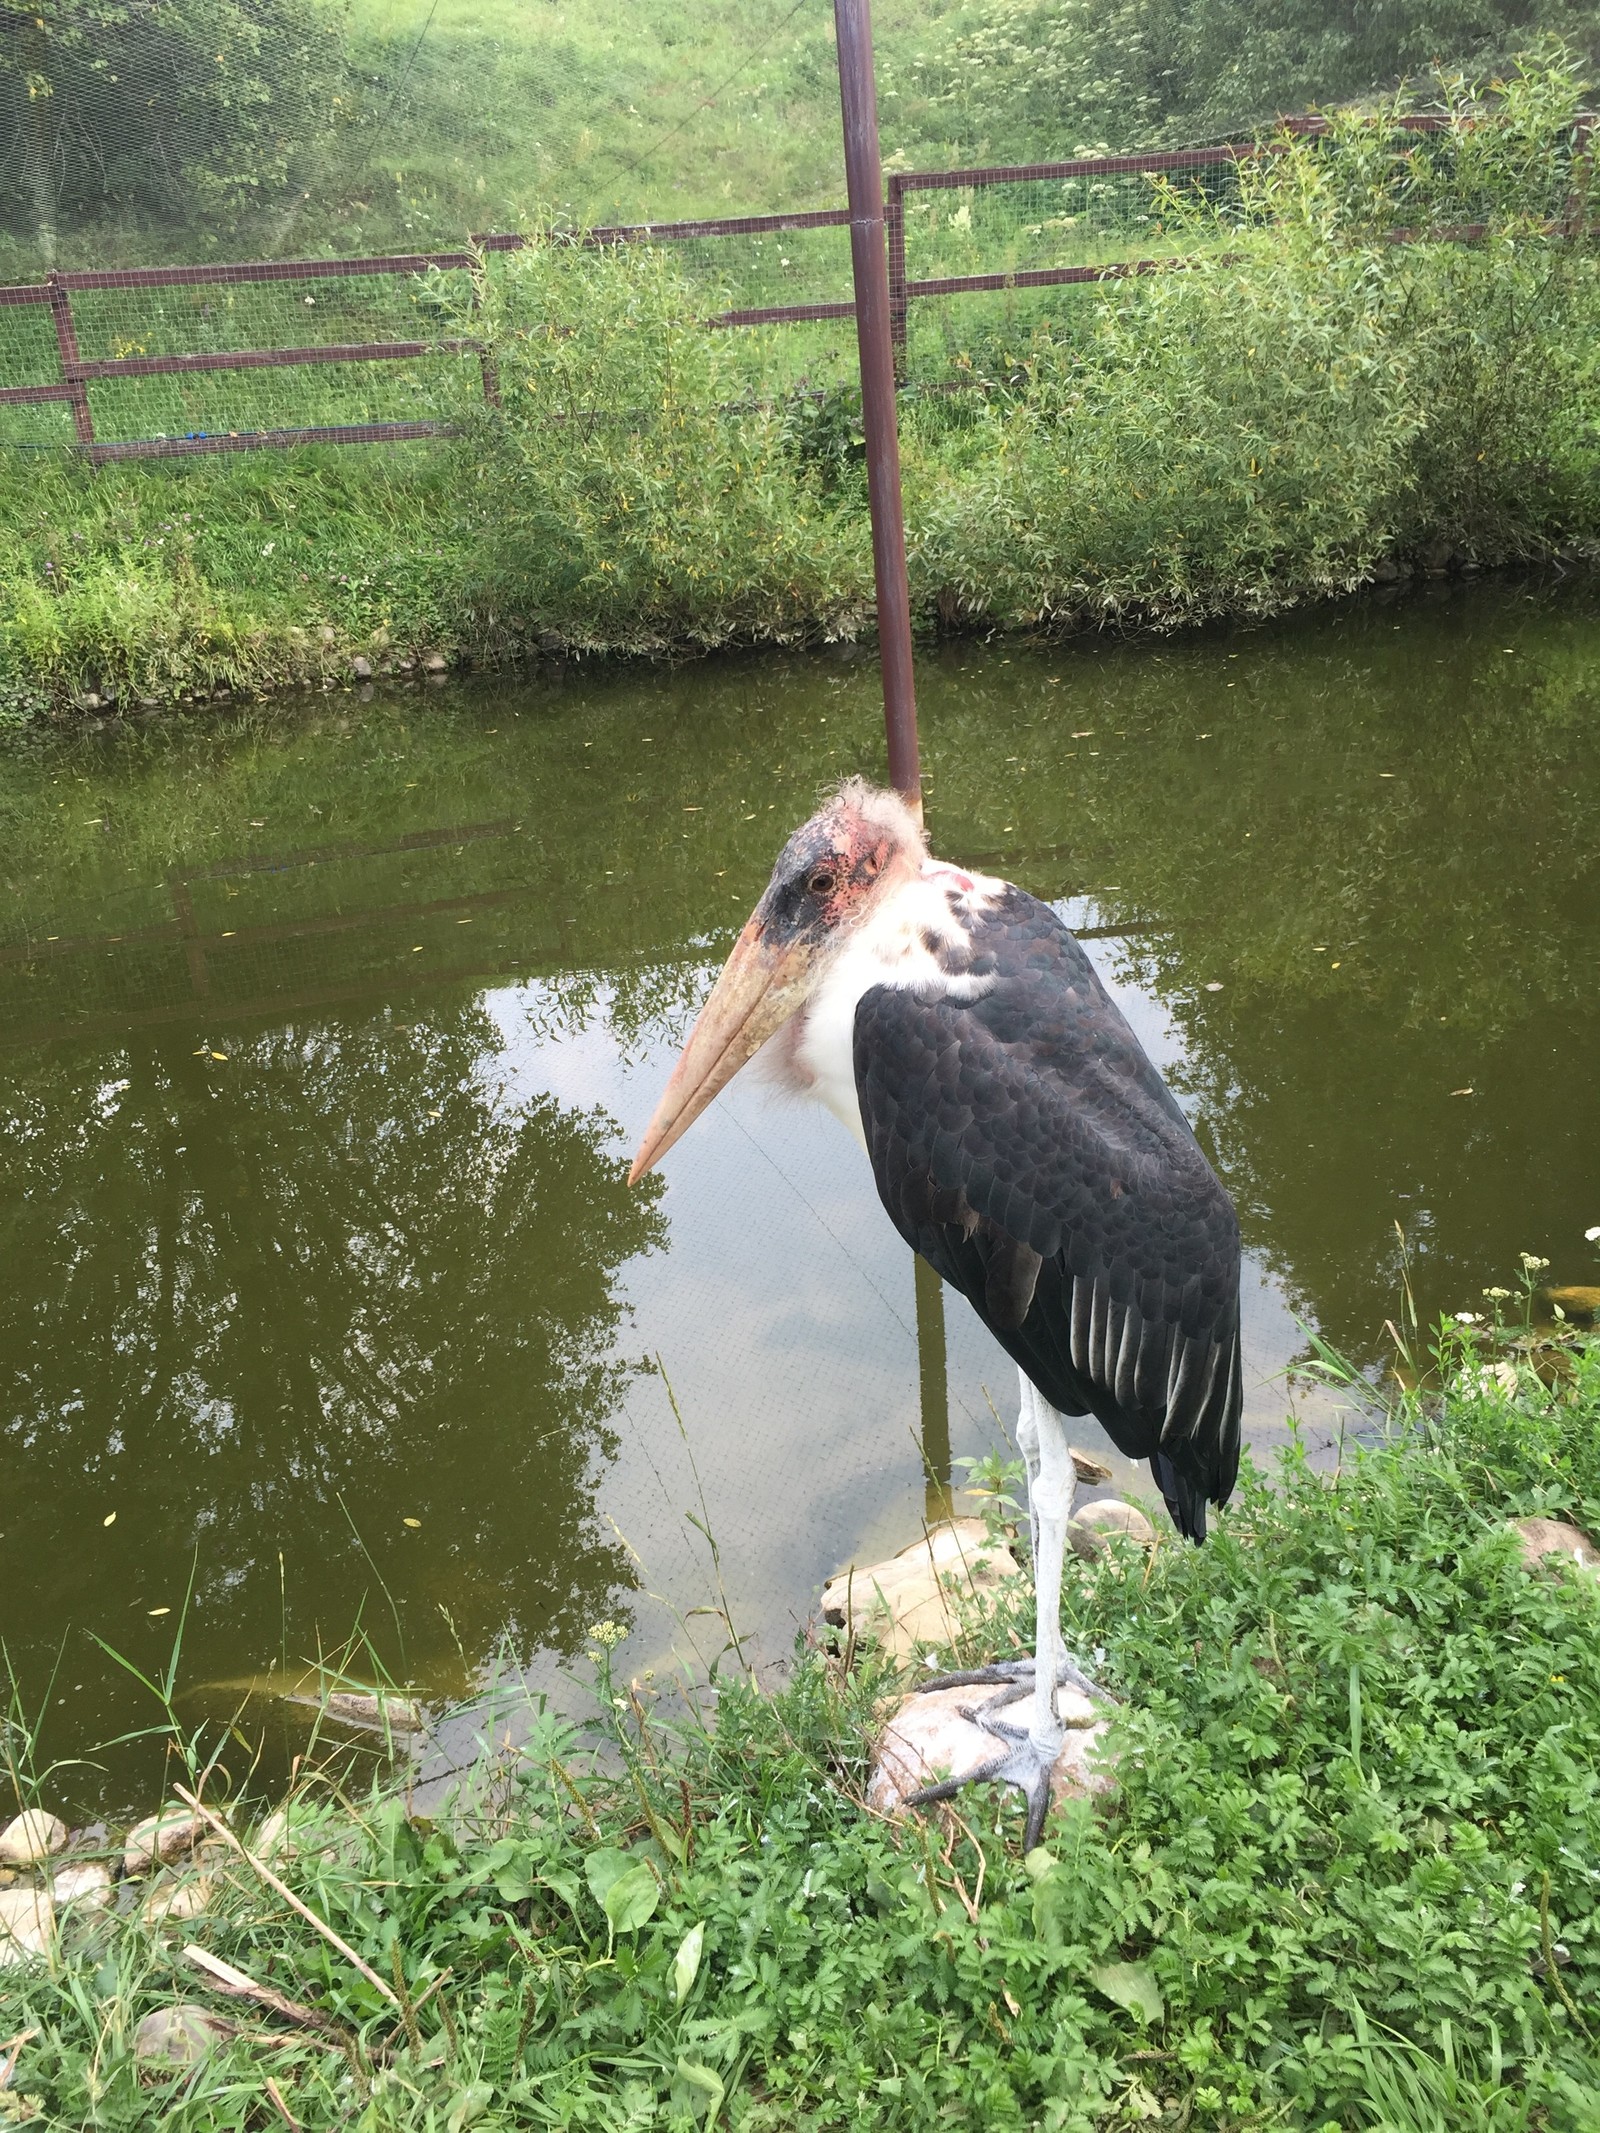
935	1391
858	99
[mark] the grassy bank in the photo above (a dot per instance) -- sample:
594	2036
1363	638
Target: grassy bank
1309	405
1346	1880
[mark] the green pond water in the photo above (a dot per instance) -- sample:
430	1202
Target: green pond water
326	1031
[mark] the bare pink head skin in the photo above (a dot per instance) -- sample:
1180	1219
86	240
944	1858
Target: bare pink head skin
832	876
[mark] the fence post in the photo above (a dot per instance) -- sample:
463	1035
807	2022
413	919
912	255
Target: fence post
864	180
486	362
67	344
895	220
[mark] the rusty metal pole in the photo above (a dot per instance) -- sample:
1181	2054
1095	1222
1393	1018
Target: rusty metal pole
858	98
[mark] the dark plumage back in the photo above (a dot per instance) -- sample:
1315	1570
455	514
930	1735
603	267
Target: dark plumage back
1025	1145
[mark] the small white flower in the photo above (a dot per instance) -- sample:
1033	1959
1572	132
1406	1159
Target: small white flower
1497	1295
1592	1236
1533	1264
1469	1318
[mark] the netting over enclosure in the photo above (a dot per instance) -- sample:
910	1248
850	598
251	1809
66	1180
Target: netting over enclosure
227	226
200	357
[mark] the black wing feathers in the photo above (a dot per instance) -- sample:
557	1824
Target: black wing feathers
1024	1144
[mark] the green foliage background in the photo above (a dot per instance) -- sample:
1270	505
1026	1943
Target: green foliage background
1306	404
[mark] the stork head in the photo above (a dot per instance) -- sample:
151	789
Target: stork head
833	873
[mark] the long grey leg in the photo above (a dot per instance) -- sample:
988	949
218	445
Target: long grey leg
1029	1759
1050	1505
1028	1445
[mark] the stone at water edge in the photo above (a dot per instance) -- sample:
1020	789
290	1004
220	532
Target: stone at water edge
161	1837
31	1837
178	2036
174	1902
1091	1533
927	1738
915	1597
1541	1537
27	1920
88	1886
1579	1306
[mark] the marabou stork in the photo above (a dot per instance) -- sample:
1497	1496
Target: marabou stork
1023	1143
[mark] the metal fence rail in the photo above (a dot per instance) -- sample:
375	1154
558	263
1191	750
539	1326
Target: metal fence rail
364	379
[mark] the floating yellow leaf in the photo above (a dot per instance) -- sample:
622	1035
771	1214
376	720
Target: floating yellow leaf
159	1610
411	1521
110	1519
222	1056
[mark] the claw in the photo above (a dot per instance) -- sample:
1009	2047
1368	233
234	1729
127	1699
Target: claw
1024	1764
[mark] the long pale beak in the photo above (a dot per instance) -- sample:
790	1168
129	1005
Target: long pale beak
760	988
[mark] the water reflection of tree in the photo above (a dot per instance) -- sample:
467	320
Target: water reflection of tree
333	1272
1405	790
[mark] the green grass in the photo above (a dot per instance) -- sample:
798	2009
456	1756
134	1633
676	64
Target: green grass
1358	1809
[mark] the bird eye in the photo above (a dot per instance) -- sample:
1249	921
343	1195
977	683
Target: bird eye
821	882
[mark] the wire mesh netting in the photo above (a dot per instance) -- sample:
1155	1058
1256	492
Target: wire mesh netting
218	354
145	148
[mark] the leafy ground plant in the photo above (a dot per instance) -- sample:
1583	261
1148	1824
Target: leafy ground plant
1346	1880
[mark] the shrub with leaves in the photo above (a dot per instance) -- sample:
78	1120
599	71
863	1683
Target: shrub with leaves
1309	397
633	481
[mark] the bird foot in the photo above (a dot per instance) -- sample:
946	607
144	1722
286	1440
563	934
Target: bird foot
1015	1677
1026	1762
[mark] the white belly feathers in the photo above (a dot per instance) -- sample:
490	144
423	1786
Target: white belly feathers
911	943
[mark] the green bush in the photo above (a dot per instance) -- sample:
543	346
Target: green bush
1306	400
633	483
188	113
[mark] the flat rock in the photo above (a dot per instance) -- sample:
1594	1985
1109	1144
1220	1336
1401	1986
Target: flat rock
27	1919
1539	1538
178	2036
161	1837
915	1598
87	1885
33	1836
1097	1525
927	1738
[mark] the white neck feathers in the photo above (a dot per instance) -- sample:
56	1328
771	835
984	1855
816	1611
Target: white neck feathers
919	939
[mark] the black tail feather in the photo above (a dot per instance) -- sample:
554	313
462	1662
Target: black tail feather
1185	1498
